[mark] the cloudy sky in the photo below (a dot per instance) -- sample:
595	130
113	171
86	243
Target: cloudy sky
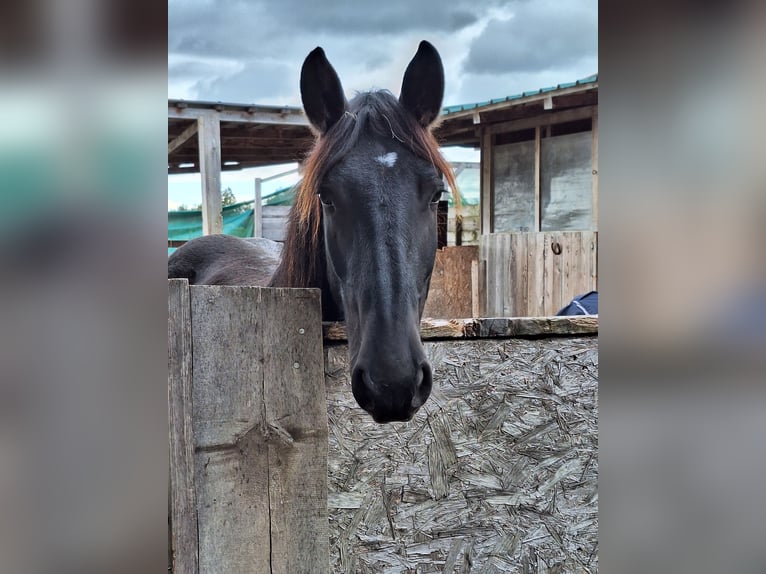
251	51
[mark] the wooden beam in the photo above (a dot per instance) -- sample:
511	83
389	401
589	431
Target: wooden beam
183	137
538	205
182	496
574	114
258	210
291	118
470	328
210	169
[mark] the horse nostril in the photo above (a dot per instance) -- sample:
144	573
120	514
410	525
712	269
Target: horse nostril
361	390
423	386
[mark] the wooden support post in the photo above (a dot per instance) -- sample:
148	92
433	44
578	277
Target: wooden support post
258	209
210	172
487	194
538	214
182	499
594	188
248	432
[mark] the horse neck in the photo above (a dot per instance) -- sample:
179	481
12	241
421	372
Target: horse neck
303	265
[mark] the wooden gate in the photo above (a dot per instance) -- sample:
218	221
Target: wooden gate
536	274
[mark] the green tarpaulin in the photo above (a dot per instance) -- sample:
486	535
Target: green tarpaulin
185	225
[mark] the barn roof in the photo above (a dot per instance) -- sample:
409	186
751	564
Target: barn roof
255	135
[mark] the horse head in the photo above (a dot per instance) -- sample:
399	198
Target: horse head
375	177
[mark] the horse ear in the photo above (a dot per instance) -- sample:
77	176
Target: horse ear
423	85
321	91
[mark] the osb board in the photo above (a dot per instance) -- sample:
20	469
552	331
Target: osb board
449	294
497	472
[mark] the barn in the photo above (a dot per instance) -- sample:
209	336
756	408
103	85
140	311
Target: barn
534	228
274	468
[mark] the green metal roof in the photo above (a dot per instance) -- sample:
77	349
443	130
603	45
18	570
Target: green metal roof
464	107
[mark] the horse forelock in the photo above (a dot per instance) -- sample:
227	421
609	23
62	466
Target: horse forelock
378	112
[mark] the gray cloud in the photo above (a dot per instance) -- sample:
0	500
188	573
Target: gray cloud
251	51
542	35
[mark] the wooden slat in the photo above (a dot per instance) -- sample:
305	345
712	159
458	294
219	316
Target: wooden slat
518	285
469	328
536	287
557	278
182	496
296	413
210	171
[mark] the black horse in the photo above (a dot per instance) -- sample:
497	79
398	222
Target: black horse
363	228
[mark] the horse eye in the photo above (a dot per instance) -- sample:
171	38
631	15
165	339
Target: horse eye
325	201
437	196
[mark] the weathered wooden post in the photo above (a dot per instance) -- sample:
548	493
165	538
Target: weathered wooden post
248	430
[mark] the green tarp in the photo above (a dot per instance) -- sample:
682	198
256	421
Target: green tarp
185	225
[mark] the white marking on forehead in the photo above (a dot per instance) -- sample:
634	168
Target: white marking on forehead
388	160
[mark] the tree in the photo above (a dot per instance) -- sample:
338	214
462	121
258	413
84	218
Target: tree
227	198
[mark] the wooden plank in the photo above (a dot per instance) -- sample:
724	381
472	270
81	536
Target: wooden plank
557	275
258	209
594	260
183	137
475	286
536	272
231	471
537	207
568	280
210	171
548	259
519	283
551	118
449	294
182	495
297	416
482	288
261	430
484	328
595	169
488	255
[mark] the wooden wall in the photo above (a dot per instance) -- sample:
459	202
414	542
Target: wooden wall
537	274
497	473
275	468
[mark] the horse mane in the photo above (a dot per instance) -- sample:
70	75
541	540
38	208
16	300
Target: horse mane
379	111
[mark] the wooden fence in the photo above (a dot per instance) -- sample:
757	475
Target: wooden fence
274	468
536	274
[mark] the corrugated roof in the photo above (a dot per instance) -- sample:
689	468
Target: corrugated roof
465	107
